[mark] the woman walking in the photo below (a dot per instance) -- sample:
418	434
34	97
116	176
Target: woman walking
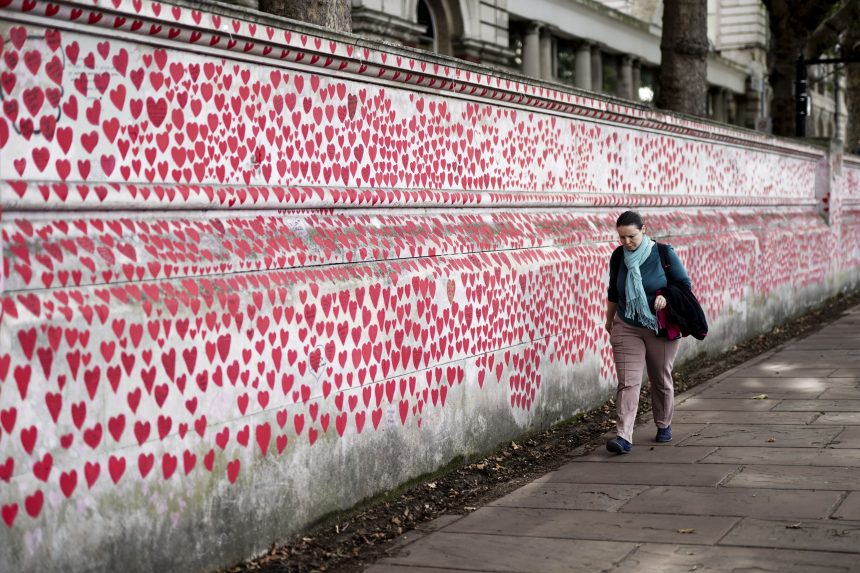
636	275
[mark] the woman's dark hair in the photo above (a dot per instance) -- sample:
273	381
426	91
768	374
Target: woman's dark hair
629	218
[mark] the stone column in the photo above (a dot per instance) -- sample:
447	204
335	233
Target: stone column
583	66
531	51
637	78
753	112
731	109
596	68
546	67
625	78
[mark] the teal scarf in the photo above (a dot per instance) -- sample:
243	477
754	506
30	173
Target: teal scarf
636	307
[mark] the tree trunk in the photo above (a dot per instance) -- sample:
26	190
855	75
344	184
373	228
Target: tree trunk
795	28
782	77
852	97
785	46
851	49
331	14
684	53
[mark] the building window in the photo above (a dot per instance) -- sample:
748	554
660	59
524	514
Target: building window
427	40
647	85
516	41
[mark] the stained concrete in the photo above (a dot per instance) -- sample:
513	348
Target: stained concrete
747	485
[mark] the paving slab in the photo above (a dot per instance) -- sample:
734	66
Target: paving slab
833	362
506	553
836	418
840	394
846	373
443	520
644	474
781	371
824	535
796	477
762	503
730	404
818	345
652	557
759	385
596	525
767	435
824	353
382	568
849	508
719	393
728	417
849	438
603	497
803	387
784	456
818	406
650	454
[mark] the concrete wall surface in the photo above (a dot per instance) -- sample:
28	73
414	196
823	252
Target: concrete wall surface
254	273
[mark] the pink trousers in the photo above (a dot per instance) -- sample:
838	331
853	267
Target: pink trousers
636	349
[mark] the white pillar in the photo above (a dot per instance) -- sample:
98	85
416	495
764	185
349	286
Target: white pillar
583	66
531	51
545	54
596	69
625	78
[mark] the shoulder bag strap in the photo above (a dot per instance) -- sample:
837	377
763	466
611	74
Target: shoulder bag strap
663	250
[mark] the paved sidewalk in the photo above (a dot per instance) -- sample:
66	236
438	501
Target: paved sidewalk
749	484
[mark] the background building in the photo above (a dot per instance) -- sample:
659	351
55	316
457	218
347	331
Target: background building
607	46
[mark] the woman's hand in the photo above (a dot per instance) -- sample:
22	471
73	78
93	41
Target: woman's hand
611	308
659	303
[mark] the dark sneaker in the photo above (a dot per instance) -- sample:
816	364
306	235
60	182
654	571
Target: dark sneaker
619	446
664	434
